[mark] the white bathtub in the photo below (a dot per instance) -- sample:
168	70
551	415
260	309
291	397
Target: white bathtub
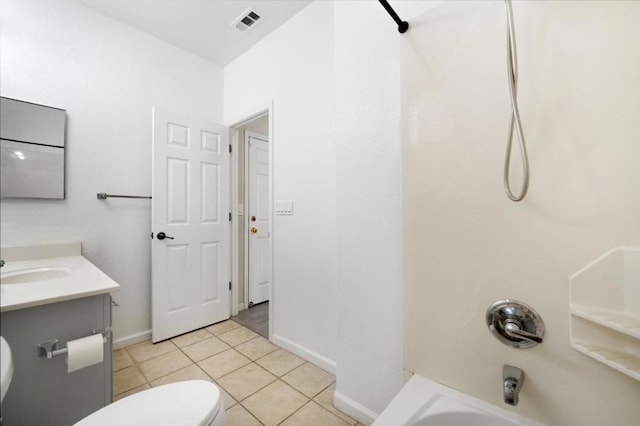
422	402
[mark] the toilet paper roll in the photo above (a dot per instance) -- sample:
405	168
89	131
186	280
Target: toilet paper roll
84	352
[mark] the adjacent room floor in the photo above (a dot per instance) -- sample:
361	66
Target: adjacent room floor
256	318
261	383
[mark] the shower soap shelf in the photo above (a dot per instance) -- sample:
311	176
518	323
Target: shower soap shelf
605	310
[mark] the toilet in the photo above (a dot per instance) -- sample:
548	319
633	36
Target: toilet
192	402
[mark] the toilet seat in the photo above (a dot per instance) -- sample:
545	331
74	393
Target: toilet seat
192	402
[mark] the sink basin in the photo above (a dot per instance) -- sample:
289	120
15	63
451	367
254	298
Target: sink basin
6	367
35	274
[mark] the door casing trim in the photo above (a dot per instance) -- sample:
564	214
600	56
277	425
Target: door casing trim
252	114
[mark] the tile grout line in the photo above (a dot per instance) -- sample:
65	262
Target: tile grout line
292	414
194	362
308	399
285	383
148	382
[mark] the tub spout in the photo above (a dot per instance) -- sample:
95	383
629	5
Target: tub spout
511	391
512	378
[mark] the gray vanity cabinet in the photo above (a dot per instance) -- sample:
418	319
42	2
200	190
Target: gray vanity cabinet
42	392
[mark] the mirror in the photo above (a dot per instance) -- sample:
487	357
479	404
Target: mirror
32	139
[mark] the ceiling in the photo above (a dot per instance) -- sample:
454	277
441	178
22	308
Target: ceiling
202	27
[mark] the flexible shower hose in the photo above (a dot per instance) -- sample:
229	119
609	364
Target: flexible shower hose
512	71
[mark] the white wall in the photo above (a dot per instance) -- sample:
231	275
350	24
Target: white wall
107	76
337	275
367	76
293	67
466	245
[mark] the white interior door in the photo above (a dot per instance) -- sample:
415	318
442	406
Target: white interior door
259	218
190	205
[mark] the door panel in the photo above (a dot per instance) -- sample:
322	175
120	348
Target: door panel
210	196
178	190
177	272
209	282
190	267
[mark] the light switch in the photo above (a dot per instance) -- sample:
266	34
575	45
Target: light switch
284	207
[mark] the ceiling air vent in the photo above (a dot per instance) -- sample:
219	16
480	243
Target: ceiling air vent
248	20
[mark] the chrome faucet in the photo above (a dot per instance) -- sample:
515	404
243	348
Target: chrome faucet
512	378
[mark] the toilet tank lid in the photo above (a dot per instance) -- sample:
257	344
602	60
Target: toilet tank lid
192	402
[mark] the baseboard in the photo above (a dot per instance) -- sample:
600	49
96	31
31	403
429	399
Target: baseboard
305	353
353	409
132	339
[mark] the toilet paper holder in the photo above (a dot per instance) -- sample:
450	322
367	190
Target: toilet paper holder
49	348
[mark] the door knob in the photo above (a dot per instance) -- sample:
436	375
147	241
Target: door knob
162	236
253	218
254	230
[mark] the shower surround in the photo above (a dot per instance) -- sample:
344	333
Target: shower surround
466	244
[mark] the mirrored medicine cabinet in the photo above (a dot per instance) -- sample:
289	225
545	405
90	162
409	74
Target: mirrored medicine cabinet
32	139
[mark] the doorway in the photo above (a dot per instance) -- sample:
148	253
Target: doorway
253	251
258	237
255	319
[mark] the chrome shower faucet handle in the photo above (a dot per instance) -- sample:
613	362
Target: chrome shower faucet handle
515	324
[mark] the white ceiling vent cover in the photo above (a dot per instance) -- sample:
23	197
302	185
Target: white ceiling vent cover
248	20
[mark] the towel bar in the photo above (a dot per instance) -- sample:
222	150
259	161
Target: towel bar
104	196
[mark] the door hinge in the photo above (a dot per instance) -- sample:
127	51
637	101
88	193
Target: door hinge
229	216
229	285
230	149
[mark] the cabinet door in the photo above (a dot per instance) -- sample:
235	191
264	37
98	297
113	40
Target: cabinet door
41	391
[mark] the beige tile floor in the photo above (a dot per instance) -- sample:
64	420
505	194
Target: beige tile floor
261	383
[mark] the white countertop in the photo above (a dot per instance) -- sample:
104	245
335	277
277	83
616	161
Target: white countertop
85	280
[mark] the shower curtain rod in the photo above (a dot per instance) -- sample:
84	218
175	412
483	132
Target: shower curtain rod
403	26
